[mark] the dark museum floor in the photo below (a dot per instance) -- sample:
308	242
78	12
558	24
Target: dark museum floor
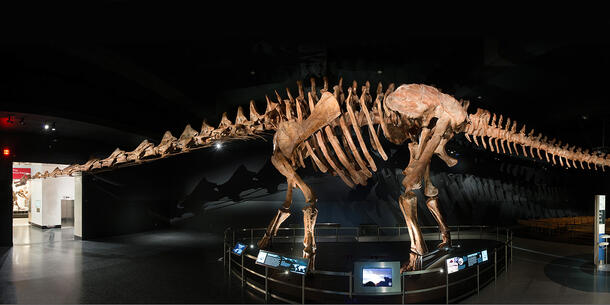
184	267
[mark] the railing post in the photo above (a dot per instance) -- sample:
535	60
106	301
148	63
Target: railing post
303	289
351	283
495	265
446	287
242	269
266	285
402	277
511	247
477	279
506	258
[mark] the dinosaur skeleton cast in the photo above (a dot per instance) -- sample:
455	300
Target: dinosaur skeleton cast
327	127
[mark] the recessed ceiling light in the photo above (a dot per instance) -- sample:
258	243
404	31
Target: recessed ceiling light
46	126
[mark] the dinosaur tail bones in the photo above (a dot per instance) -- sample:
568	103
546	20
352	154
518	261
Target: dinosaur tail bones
504	138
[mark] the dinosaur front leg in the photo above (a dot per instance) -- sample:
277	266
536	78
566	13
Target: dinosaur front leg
408	206
282	214
432	193
408	202
310	214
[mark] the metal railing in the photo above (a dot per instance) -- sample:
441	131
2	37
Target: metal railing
506	239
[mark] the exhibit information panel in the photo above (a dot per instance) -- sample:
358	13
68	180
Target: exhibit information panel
238	249
600	229
377	277
278	261
455	264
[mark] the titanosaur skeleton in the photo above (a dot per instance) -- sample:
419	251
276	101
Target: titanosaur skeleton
327	128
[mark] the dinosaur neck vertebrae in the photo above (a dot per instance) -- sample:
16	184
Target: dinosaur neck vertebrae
499	136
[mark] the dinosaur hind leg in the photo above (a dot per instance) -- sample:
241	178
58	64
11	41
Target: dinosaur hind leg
432	193
310	214
408	206
282	214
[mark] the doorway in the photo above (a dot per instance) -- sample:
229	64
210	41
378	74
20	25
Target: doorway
43	208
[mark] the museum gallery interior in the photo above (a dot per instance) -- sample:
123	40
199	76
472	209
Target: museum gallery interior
166	157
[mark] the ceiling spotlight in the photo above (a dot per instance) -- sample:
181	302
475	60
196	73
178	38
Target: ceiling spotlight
218	145
379	72
442	270
479	97
252	72
251	246
584	117
46	126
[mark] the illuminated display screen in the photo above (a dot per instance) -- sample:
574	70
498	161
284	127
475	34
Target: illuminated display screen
278	261
458	263
239	249
377	277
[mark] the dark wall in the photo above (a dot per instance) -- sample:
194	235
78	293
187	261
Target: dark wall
237	186
6	201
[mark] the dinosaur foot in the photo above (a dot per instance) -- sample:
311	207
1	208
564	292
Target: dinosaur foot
414	263
264	242
446	240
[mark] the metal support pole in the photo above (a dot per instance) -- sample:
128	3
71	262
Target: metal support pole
477	279
229	257
252	236
497	232
303	289
446	287
224	254
402	277
266	285
351	283
377	233
495	265
505	258
511	247
242	270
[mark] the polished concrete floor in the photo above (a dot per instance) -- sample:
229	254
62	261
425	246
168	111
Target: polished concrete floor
153	267
25	234
185	267
550	273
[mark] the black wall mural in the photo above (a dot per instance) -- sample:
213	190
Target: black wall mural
237	186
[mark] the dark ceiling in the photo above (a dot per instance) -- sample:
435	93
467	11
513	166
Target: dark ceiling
144	67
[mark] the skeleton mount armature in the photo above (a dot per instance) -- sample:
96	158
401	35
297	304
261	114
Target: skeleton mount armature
327	127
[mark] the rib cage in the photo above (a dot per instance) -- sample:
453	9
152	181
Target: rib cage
338	147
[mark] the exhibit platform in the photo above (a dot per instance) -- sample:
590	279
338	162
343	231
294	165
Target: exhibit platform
335	279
